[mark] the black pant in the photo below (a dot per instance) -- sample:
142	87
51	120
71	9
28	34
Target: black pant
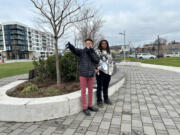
102	84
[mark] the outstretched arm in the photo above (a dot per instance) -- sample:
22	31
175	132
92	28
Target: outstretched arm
74	50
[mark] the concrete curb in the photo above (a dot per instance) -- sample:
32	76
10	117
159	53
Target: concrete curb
39	109
169	68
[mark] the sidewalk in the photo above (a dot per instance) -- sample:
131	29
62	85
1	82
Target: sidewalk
148	104
7	80
20	60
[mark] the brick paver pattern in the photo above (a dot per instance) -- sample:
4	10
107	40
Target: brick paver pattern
147	104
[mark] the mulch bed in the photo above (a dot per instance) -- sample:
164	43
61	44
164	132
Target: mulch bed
46	89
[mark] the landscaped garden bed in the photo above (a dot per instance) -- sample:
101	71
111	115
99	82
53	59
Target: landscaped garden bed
43	89
44	83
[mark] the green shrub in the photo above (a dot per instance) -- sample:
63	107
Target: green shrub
30	88
69	66
40	67
51	66
113	55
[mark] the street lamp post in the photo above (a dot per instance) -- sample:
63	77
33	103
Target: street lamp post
124	34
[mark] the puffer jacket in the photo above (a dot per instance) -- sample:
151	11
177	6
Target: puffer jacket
88	60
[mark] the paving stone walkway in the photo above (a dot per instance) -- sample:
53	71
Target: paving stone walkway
147	104
11	79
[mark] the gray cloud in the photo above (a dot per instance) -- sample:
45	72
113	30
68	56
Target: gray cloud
143	20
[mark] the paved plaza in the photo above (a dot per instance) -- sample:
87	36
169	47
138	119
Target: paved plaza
7	80
147	104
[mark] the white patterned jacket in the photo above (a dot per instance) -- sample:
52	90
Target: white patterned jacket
106	64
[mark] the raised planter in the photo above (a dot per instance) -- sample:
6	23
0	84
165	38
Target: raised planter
39	109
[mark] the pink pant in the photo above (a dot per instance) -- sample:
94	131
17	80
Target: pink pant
86	82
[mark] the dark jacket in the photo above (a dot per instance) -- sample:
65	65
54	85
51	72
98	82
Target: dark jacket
88	60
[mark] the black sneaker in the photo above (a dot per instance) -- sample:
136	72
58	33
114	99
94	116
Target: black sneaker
86	112
94	109
108	102
100	104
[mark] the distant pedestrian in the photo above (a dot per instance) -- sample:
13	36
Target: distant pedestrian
1	59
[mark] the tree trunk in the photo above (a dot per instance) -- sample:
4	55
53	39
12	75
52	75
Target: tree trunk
57	63
77	68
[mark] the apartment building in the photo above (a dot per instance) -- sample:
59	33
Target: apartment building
18	41
173	48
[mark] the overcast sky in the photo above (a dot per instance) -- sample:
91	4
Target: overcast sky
142	20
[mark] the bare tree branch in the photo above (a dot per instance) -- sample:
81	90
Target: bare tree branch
64	9
90	28
60	15
40	7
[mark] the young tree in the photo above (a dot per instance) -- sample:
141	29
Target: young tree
60	15
153	49
90	28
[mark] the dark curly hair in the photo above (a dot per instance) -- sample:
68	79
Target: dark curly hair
100	46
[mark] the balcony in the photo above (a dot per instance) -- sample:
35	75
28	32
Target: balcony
17	27
1	44
19	48
18	42
17	37
17	33
1	47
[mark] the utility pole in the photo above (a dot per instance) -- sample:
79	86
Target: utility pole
124	34
158	45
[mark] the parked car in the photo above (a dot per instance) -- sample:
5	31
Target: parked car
34	58
168	55
160	55
173	55
145	56
132	56
117	55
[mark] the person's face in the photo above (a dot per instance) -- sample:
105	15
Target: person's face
88	44
104	45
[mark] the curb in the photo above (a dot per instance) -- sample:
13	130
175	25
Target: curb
46	108
169	68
